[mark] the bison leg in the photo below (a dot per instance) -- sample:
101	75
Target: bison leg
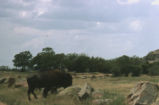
54	90
34	94
31	90
45	92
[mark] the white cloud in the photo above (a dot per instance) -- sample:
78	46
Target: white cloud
25	14
35	43
42	7
39	7
136	25
46	1
126	2
99	24
155	2
27	31
40	11
22	2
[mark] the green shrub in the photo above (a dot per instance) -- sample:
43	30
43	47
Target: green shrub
153	70
116	71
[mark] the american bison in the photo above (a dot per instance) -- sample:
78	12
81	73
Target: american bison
11	81
48	80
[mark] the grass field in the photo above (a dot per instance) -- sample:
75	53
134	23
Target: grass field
112	87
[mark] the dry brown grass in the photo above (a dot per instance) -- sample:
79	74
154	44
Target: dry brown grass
121	85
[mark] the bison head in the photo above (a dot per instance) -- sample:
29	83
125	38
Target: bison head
67	80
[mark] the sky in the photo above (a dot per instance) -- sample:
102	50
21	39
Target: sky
100	28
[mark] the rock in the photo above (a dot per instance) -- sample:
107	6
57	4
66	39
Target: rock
144	93
60	89
84	77
152	56
157	102
85	92
2	80
93	77
70	91
56	91
101	101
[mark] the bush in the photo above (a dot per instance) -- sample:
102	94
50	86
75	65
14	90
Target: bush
136	70
116	71
124	65
153	70
4	68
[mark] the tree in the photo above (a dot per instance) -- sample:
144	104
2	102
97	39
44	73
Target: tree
77	62
70	60
48	50
145	67
99	65
4	67
116	72
124	63
59	61
128	65
82	63
22	60
153	69
44	60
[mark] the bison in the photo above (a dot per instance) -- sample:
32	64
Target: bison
48	80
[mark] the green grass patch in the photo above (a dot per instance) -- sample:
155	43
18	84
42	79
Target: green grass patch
117	99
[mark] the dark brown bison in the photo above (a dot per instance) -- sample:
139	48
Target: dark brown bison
11	81
48	80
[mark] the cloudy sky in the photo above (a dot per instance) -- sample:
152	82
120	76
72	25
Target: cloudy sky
104	28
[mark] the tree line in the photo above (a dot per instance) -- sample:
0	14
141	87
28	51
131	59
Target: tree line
47	59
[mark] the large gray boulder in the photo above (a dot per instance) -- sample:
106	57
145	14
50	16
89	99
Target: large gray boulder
77	92
86	91
144	93
70	91
2	80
